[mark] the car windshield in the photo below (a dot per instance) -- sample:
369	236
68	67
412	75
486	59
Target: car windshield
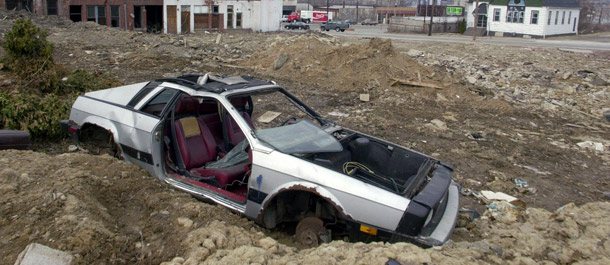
300	138
283	124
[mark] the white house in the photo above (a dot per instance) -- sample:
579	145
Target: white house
183	16
525	18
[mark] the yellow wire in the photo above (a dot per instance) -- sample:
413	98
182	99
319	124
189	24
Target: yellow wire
353	166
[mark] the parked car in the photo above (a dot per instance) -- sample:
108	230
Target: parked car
369	22
349	22
255	148
334	25
284	18
297	25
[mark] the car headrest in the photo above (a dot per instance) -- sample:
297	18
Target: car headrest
239	103
186	104
208	107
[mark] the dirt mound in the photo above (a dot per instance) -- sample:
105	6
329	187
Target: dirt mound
569	235
100	209
321	60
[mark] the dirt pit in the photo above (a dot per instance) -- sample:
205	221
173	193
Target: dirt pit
105	211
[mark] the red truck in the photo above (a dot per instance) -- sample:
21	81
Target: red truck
296	16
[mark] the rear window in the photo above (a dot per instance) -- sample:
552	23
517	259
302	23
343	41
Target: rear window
157	104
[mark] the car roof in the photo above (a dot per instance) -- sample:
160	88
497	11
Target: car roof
215	83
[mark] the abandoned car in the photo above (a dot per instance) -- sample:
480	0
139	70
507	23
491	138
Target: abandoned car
255	148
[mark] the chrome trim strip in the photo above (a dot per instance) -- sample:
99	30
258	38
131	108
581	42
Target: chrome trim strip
206	194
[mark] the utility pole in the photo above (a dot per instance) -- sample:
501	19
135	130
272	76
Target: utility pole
432	17
328	7
357	10
476	20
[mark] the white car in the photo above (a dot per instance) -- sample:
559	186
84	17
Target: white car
255	148
284	18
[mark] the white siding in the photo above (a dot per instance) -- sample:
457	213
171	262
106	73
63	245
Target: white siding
526	28
566	28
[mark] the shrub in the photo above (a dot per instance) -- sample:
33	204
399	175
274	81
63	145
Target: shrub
462	26
27	48
39	116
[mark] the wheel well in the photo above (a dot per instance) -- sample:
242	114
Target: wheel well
294	205
98	138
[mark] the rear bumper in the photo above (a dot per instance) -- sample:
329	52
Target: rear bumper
70	129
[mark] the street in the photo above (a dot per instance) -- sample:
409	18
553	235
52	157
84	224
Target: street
381	32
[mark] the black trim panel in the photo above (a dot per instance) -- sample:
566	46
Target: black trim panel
256	196
139	155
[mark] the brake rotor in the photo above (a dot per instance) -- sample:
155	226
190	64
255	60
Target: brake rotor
309	230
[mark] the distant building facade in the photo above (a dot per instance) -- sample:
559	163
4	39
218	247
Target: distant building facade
525	18
184	16
124	14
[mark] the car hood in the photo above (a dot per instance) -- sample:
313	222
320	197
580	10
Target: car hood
118	95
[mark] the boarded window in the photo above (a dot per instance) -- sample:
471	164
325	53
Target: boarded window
230	17
569	17
534	19
550	15
115	16
76	13
556	17
51	7
563	17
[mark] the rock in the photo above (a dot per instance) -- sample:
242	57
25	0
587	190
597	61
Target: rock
267	243
35	254
599	81
471	79
607	195
183	221
440	97
414	53
280	60
566	75
548	106
437	124
591	145
365	97
607	116
72	148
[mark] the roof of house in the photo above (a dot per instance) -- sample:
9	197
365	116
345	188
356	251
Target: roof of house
535	3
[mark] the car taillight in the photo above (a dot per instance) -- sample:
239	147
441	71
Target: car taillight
73	130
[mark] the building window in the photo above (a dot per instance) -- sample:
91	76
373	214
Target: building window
96	14
76	14
569	17
215	9
563	17
550	15
238	19
115	17
51	7
496	14
556	17
137	17
509	16
534	19
521	16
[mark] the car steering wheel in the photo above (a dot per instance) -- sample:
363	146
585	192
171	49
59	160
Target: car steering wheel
293	119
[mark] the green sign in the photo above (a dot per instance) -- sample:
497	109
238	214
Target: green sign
455	10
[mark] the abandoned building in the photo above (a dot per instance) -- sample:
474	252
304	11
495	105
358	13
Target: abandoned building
525	18
192	15
124	14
